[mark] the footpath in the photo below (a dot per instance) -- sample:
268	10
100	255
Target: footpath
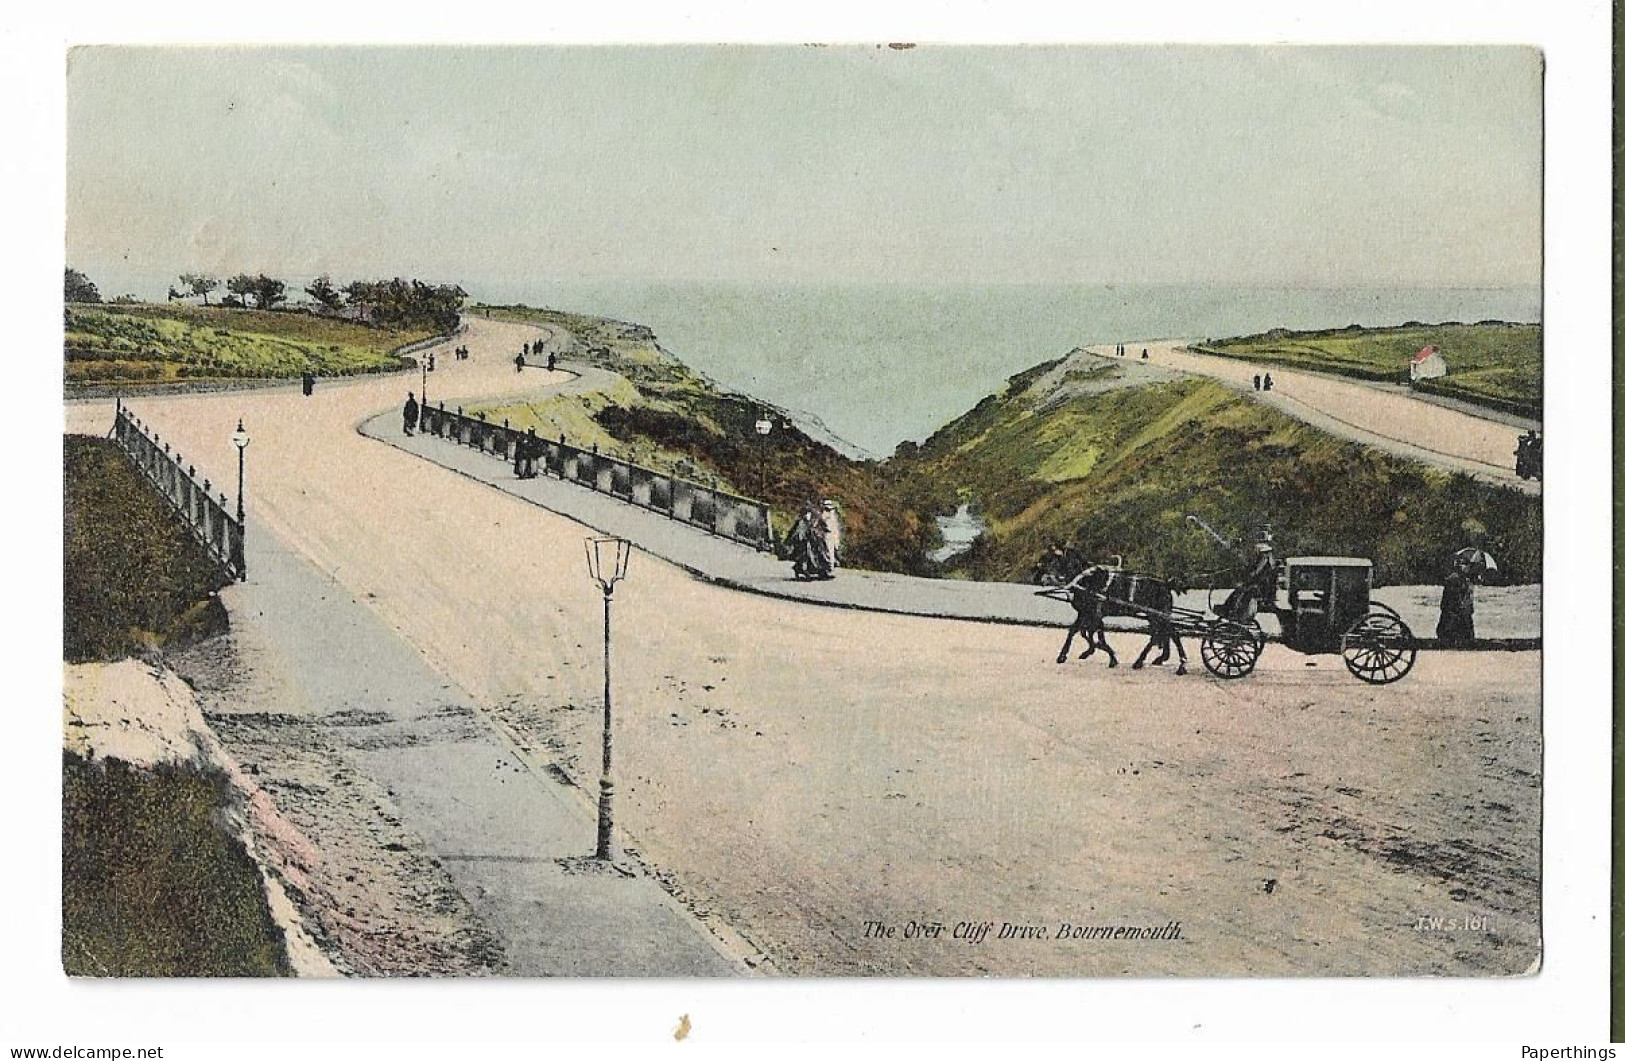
509	834
1507	617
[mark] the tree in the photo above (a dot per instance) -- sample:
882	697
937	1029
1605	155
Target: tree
200	284
242	286
76	287
269	292
322	290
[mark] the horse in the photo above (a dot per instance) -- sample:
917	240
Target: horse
1099	590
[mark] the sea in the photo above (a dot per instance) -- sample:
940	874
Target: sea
880	364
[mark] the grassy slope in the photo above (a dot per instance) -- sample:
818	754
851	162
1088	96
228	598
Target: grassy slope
672	419
1116	472
1496	363
152	882
133	577
157	343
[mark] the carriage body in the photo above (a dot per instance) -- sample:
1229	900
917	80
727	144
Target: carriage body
1325	597
1328	609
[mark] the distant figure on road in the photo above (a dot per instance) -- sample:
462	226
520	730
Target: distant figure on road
1269	384
826	536
409	414
797	546
519	363
309	382
1145	355
526	351
552	359
1455	629
1258	381
1528	459
431	361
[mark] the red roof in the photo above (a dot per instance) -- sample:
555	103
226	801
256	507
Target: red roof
1425	353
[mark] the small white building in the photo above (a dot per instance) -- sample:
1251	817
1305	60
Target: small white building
1428	364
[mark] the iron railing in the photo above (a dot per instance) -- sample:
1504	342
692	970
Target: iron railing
208	517
718	512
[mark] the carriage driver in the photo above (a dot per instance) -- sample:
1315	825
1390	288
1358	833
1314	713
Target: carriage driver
1256	592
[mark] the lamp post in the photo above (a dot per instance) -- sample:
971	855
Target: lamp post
240	439
764	427
423	363
606	562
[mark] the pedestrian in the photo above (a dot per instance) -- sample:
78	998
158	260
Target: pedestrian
519	363
409	414
431	361
309	382
1269	384
552	359
798	543
1455	629
826	536
526	351
1145	355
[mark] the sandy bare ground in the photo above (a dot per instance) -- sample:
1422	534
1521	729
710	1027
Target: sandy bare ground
146	716
799	771
1386	419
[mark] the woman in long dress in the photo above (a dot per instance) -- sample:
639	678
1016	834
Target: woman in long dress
826	540
1456	608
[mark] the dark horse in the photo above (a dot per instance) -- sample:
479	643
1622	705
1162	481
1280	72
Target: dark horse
1098	591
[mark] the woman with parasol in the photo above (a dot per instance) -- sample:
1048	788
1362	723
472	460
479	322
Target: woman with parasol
1455	628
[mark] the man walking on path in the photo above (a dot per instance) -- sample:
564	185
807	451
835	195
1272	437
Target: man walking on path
409	414
519	363
1257	382
552	359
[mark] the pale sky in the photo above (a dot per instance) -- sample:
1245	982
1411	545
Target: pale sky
1291	166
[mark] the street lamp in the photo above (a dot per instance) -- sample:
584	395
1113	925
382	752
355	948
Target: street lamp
764	427
606	562
240	439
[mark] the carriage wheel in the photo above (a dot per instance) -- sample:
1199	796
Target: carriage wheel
1231	650
1379	649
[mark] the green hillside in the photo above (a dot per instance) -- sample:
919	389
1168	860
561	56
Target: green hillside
1491	363
1116	472
169	343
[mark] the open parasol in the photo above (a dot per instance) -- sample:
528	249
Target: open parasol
1477	562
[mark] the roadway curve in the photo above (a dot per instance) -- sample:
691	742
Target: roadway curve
1391	421
793	771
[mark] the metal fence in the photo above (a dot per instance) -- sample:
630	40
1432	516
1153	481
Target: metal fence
209	518
726	515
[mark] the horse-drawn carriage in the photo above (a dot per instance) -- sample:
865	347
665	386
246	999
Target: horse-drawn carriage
1327	608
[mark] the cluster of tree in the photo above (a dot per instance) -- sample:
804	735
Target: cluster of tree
263	292
76	287
394	302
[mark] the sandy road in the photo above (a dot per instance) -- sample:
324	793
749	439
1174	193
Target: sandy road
799	771
1386	420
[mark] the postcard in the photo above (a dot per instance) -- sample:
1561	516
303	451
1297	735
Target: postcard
864	510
